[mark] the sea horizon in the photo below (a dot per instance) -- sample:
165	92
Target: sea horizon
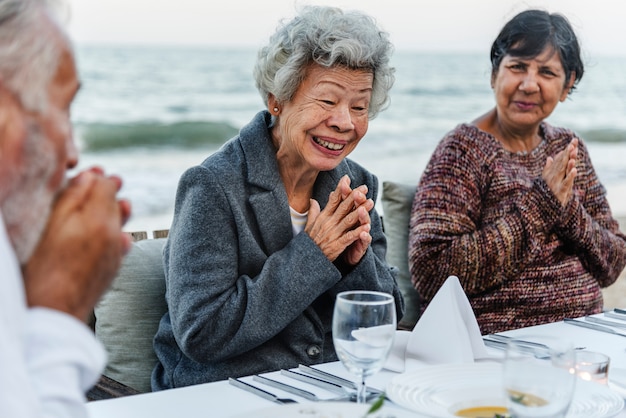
148	113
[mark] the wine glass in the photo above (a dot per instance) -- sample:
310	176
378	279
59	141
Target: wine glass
539	376
364	325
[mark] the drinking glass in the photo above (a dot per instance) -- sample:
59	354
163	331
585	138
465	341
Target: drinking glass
593	366
539	376
364	325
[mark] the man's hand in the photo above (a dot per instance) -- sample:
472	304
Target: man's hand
81	248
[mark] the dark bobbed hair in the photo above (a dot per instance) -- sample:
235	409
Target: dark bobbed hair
528	33
329	37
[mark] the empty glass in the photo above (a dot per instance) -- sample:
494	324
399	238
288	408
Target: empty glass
364	325
592	366
539	376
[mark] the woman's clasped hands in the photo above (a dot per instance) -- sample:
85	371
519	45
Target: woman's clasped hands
342	229
560	171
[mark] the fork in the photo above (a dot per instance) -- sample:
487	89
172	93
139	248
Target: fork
259	392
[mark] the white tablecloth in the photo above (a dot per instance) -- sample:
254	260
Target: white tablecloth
219	399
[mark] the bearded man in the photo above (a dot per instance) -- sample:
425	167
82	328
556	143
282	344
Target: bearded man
61	240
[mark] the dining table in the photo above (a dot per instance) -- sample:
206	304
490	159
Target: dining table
221	399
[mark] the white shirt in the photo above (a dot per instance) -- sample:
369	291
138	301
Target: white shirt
48	359
298	220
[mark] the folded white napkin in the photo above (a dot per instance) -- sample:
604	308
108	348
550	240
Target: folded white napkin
447	332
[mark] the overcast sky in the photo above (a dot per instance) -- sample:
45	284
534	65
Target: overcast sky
430	25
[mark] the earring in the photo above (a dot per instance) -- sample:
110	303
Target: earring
276	109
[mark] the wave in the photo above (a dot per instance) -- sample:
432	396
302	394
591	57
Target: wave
608	135
191	134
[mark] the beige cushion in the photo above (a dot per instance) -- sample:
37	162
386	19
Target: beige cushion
128	315
397	200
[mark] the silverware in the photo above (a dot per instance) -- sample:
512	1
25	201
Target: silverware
334	379
500	342
605	322
259	392
505	338
615	315
500	345
593	326
620	311
296	391
332	387
526	346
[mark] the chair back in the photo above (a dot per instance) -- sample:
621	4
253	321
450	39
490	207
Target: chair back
127	317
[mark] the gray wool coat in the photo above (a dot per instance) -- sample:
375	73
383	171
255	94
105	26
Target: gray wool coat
244	295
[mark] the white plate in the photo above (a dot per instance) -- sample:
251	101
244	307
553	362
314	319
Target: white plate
323	410
439	391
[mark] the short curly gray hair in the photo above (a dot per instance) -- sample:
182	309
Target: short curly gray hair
328	37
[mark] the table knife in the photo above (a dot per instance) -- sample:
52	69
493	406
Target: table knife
320	374
500	345
505	339
259	392
320	383
620	311
615	315
327	376
590	325
297	391
605	322
332	387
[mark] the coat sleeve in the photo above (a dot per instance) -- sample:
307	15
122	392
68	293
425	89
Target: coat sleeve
226	295
373	272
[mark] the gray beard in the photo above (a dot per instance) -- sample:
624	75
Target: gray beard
28	203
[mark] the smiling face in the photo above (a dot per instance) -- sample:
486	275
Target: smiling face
324	121
41	149
527	90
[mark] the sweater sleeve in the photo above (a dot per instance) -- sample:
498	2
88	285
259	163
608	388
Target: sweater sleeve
588	227
447	235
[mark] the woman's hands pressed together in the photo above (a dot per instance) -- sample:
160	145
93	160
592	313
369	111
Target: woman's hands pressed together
343	227
560	171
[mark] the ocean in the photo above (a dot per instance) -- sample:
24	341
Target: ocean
149	113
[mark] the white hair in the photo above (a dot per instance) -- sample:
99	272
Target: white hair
31	44
29	51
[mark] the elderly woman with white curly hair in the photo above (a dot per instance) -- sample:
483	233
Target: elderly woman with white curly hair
270	228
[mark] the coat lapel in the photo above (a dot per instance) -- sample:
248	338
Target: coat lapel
268	198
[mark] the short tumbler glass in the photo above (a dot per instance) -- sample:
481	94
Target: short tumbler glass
539	378
592	366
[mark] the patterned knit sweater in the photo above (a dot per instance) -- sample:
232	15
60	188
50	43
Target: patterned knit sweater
484	214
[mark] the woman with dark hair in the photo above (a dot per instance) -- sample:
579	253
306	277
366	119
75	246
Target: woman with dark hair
272	226
512	205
